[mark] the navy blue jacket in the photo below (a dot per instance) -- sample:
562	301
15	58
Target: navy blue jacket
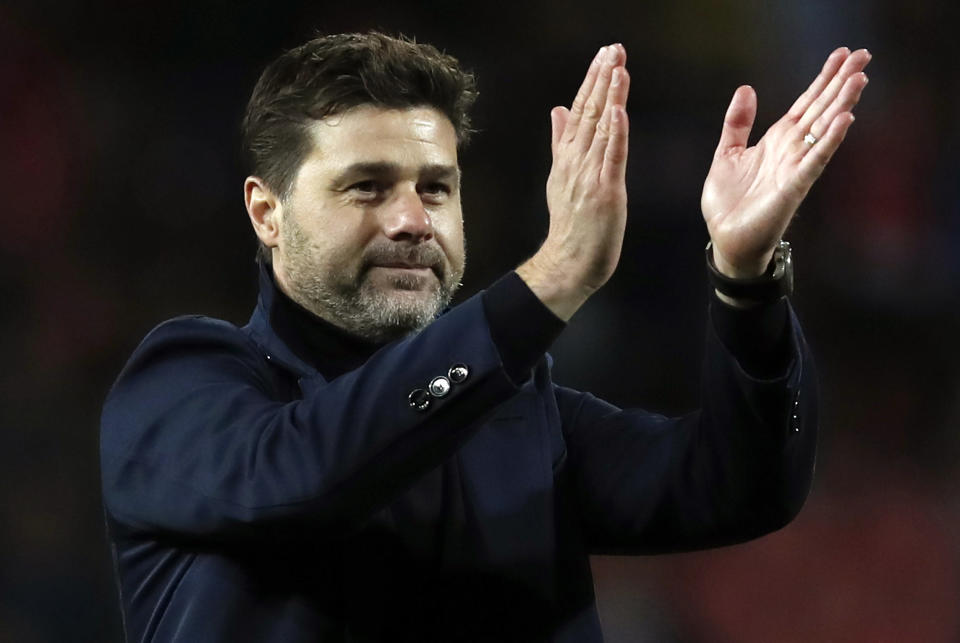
252	497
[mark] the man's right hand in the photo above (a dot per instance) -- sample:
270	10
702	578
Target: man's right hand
586	190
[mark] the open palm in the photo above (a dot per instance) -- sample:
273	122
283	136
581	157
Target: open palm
751	193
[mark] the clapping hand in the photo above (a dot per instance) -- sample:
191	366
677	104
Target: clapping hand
586	190
751	193
749	197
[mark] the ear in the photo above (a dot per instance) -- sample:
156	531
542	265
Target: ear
264	209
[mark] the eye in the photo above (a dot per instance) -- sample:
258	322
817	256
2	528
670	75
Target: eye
436	189
366	186
367	190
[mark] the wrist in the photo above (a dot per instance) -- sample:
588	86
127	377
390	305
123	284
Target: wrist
561	293
774	282
743	270
727	269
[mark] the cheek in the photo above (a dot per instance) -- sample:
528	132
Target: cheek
449	233
341	240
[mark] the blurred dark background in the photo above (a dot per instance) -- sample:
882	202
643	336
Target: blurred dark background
122	206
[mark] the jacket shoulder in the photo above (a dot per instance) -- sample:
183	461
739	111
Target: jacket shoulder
194	328
195	332
184	345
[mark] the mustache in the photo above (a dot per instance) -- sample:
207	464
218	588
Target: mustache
429	255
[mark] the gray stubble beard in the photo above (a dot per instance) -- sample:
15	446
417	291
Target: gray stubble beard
353	303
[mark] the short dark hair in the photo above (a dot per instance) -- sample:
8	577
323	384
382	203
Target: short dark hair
334	73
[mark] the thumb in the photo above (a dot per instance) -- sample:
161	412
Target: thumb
558	122
739	120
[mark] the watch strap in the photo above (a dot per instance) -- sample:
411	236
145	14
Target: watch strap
774	283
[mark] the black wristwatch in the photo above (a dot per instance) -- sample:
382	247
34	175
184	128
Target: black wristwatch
774	283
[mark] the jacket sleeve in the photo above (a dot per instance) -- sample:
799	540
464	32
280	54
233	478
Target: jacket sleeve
739	467
195	443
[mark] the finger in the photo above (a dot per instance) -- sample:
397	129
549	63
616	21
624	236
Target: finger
593	108
616	96
830	67
848	98
738	121
615	156
619	87
816	159
558	121
586	88
854	63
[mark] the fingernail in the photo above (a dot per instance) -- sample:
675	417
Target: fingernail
611	54
617	77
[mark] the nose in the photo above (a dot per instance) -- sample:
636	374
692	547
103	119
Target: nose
405	218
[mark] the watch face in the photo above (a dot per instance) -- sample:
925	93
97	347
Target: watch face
783	261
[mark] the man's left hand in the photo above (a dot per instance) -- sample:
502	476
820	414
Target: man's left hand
751	193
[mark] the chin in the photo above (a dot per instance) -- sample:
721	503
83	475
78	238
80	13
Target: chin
391	308
412	303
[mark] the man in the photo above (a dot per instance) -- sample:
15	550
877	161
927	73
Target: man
350	466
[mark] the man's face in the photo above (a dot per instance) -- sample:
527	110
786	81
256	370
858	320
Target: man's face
371	235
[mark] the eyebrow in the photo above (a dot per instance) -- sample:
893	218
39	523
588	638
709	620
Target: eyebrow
430	171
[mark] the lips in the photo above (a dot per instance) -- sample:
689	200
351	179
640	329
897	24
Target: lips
404	266
407	271
415	259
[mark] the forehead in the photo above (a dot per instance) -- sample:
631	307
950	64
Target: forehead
415	135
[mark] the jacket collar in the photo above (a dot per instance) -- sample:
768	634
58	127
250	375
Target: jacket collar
261	330
298	339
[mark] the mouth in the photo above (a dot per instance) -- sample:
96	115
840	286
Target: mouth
403	266
405	276
418	263
410	269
